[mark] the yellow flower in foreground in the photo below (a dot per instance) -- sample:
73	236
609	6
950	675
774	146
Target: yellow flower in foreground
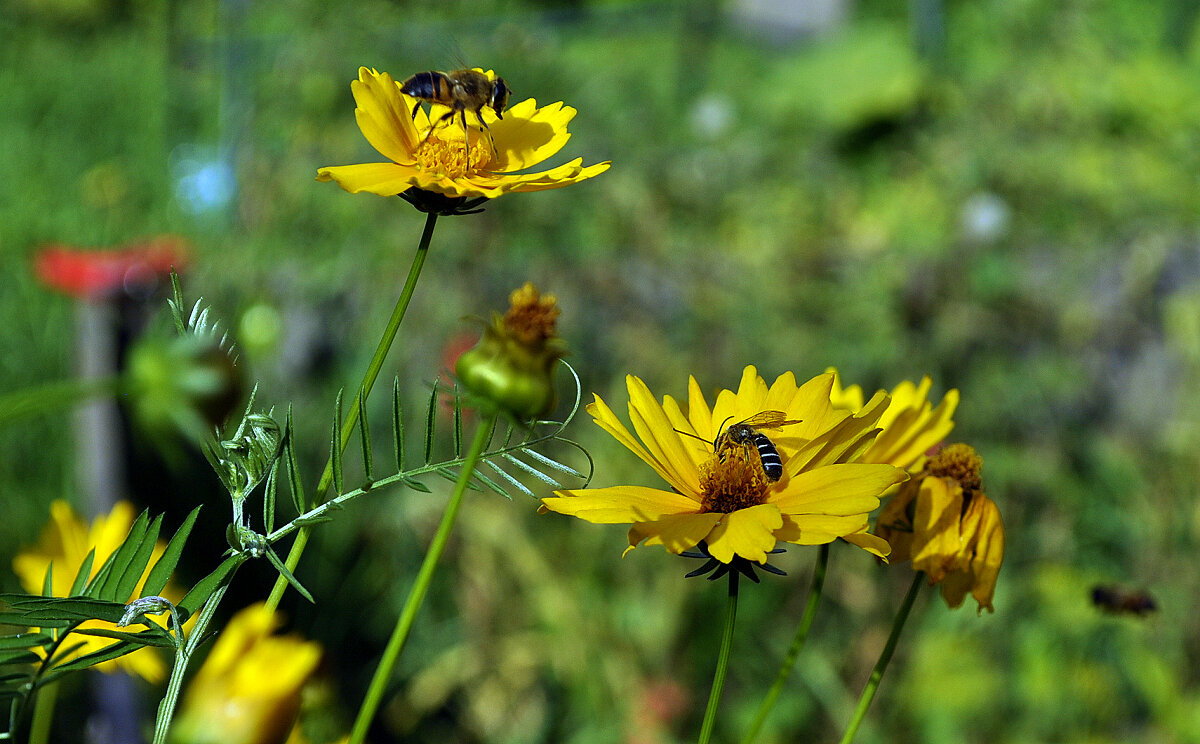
248	690
450	161
66	541
942	520
727	501
911	426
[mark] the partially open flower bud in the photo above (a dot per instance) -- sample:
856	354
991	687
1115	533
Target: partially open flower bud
511	369
188	384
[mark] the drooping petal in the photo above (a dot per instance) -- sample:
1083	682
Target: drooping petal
676	533
868	542
620	504
936	524
749	533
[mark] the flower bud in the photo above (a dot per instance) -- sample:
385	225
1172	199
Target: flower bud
511	369
188	384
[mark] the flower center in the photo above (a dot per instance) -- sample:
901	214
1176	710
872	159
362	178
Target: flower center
454	157
733	480
959	462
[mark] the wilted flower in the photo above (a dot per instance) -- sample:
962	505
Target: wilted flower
511	369
726	499
66	541
449	162
248	689
942	520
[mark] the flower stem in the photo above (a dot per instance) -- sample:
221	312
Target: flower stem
714	697
789	661
381	352
43	713
416	595
183	655
55	395
868	693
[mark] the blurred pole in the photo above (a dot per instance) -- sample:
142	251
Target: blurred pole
928	19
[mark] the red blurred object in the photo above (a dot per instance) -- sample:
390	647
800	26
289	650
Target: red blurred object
96	274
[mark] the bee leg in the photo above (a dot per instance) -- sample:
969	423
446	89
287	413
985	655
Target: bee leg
416	106
466	138
432	127
491	141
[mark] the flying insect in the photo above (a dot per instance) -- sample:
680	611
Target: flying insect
461	91
1119	600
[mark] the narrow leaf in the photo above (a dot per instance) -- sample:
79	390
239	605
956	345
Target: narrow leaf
335	455
132	575
416	485
493	485
397	426
204	588
299	500
452	476
269	497
515	483
116	650
318	519
120	559
555	464
457	422
286	574
143	638
81	576
48	581
19	657
365	435
430	422
176	303
532	470
161	572
21	621
24	641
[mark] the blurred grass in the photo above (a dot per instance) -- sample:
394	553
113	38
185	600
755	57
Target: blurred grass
1019	222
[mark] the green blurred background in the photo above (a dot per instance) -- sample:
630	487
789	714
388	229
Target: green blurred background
1002	194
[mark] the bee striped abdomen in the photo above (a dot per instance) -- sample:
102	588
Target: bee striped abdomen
771	462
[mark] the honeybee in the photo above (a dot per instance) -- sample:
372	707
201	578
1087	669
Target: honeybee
746	434
462	91
1122	601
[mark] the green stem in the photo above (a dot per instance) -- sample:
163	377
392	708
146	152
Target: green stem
868	693
381	352
183	655
789	661
43	713
714	697
416	595
55	395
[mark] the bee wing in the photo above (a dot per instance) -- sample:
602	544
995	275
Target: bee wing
769	420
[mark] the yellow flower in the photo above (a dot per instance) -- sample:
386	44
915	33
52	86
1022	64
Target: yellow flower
727	501
910	426
248	689
944	523
66	541
450	161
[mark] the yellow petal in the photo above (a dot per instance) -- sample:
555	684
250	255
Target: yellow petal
384	116
664	443
607	420
384	179
620	504
528	135
837	489
870	543
676	533
936	524
749	533
818	529
699	413
698	448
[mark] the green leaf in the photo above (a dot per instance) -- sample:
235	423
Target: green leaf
24	641
286	574
532	470
143	638
137	564
16	656
157	579
119	560
81	576
19	620
491	484
365	434
318	519
452	476
397	426
555	464
416	485
513	481
204	588
48	581
299	500
430	422
38	610
335	455
107	653
269	497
